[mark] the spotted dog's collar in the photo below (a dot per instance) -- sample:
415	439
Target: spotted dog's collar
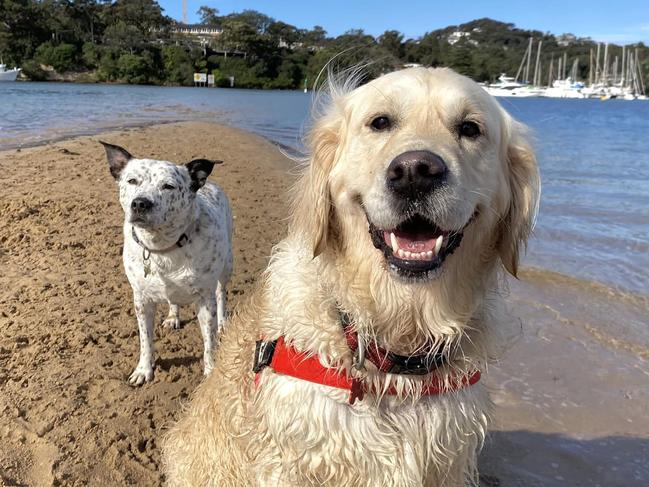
146	251
181	242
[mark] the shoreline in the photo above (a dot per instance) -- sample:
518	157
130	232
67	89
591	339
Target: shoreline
98	129
566	398
289	150
86	133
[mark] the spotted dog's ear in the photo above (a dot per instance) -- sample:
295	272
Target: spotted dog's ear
117	157
199	170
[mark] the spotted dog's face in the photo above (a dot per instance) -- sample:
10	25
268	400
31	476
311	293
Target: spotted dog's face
154	193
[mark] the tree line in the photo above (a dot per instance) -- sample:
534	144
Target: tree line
133	41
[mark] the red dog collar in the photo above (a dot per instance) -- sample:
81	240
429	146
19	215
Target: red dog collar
286	360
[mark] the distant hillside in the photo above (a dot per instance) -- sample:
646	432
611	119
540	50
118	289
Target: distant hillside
132	41
485	48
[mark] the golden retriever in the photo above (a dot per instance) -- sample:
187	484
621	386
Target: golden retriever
420	190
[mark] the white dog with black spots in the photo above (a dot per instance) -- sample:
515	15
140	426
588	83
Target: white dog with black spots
177	246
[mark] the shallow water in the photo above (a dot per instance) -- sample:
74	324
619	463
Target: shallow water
594	218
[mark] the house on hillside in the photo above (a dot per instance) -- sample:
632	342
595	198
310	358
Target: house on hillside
456	36
199	32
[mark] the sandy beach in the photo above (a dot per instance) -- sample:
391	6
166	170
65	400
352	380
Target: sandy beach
68	337
571	395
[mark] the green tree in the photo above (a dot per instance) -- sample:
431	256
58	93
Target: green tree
392	41
258	21
315	37
209	16
61	57
461	58
178	66
136	69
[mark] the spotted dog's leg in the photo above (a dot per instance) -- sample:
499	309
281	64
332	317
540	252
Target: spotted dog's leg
208	321
221	294
145	313
173	319
221	302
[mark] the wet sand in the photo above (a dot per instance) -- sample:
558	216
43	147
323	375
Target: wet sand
570	395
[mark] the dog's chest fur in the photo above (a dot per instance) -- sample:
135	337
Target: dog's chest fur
392	442
310	433
181	274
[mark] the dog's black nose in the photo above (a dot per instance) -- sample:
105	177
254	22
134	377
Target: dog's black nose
141	205
414	174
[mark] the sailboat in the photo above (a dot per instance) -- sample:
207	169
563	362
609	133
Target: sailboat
566	87
510	86
609	83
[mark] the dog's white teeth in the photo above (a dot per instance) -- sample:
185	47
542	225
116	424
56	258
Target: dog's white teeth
408	255
393	241
438	244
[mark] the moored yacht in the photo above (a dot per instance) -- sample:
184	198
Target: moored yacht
8	74
506	86
565	88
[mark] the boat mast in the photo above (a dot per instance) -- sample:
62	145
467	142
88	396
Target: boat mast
520	68
551	70
622	71
564	66
639	68
597	73
630	65
537	71
529	58
605	74
632	77
590	67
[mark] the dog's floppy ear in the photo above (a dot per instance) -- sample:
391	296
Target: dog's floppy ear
199	170
117	157
312	204
525	185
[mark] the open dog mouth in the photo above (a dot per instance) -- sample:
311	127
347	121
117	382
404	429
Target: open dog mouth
416	247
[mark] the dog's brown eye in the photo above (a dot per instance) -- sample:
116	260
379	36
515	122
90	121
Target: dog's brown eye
132	181
381	123
168	186
469	129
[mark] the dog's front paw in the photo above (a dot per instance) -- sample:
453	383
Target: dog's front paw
209	364
140	375
172	323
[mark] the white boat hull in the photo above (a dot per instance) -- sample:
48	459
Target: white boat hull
9	75
563	93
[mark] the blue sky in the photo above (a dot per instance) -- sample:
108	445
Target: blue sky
622	21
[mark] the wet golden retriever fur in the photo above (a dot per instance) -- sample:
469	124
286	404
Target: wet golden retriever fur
286	432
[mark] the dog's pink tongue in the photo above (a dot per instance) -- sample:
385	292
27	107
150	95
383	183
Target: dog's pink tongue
412	242
416	244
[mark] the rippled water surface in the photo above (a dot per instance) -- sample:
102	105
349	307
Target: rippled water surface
594	219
